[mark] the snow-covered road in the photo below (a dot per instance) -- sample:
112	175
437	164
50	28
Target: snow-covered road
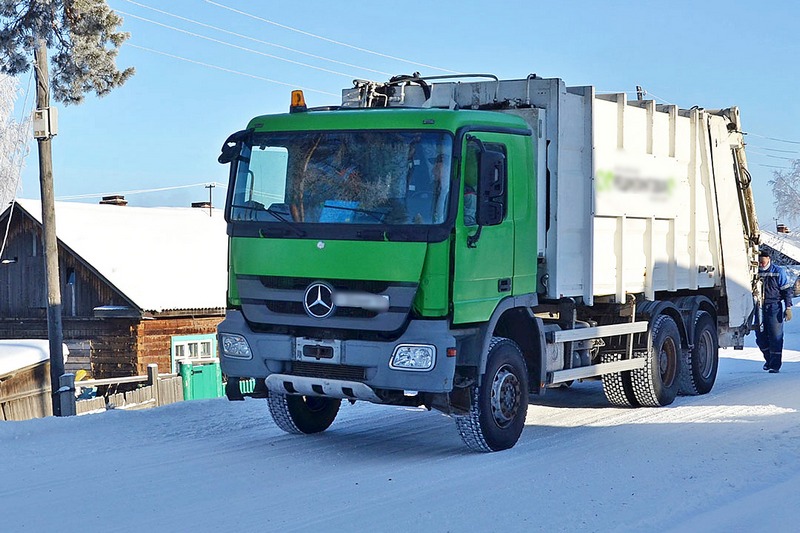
726	461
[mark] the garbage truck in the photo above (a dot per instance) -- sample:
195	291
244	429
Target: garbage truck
465	243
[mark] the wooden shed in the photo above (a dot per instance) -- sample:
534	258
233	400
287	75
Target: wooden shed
139	285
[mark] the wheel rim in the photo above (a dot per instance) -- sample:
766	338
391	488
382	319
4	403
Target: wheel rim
704	354
315	404
506	393
668	361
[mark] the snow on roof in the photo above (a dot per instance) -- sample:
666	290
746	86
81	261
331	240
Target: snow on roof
17	354
786	243
161	258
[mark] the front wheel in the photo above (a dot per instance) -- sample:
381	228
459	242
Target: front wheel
303	414
499	405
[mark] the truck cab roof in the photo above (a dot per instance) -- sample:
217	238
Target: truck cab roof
385	119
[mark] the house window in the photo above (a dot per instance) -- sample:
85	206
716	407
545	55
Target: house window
192	347
71	293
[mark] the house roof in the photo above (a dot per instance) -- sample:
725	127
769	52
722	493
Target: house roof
786	243
160	258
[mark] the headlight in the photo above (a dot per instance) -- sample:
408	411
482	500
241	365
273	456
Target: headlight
235	346
413	357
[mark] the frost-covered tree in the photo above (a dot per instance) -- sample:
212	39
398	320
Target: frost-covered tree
81	33
786	191
14	138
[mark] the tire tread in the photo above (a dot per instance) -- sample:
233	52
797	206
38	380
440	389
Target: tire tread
469	426
645	384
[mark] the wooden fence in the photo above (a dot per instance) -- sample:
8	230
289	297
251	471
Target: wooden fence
25	393
158	389
28	394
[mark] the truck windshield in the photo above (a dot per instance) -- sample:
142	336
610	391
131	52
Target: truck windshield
344	177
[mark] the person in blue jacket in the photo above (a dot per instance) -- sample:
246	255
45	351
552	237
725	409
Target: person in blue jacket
777	294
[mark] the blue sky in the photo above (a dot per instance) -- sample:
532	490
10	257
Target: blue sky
165	126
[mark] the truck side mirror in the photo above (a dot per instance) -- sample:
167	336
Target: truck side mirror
233	146
491	208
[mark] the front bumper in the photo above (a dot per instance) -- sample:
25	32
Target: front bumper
365	363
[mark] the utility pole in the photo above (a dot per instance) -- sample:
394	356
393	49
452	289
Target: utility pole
49	241
210	187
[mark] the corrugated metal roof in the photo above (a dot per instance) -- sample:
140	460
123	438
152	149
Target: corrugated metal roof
161	258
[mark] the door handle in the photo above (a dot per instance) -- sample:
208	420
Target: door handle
504	285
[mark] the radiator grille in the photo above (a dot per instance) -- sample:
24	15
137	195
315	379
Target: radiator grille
313	370
300	284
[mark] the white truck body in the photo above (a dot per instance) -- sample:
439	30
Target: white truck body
633	197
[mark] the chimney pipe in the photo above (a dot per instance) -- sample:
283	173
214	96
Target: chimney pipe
116	199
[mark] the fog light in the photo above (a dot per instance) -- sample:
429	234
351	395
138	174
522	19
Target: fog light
235	346
413	357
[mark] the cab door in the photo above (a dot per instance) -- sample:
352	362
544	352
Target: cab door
484	255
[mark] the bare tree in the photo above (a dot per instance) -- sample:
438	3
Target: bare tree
14	137
786	192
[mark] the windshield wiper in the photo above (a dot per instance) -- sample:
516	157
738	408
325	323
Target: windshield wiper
377	215
257	207
278	216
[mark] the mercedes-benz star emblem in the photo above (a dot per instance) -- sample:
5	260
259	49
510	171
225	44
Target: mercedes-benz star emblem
318	300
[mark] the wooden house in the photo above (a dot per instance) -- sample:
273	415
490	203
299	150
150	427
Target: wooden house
139	285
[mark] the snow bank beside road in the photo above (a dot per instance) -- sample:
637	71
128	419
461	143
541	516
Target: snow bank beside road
17	354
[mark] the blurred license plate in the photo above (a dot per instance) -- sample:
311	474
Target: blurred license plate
323	351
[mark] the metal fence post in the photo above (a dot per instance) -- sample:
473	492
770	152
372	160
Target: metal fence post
152	380
66	395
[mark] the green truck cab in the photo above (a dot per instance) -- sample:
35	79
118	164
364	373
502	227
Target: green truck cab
362	262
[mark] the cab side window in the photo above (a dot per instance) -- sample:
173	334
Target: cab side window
471	173
470	184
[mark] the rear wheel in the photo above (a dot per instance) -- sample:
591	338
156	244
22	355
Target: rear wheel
700	363
303	414
617	386
499	405
656	384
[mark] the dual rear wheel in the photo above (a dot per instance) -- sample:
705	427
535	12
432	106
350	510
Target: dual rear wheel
669	370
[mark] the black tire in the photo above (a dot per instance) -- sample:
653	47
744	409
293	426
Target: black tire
499	405
303	414
656	384
617	386
701	362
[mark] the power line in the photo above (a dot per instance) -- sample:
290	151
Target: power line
775	149
236	46
254	39
139	191
658	97
772	138
295	86
770	155
415	63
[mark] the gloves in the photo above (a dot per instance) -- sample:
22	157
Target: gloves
787	316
